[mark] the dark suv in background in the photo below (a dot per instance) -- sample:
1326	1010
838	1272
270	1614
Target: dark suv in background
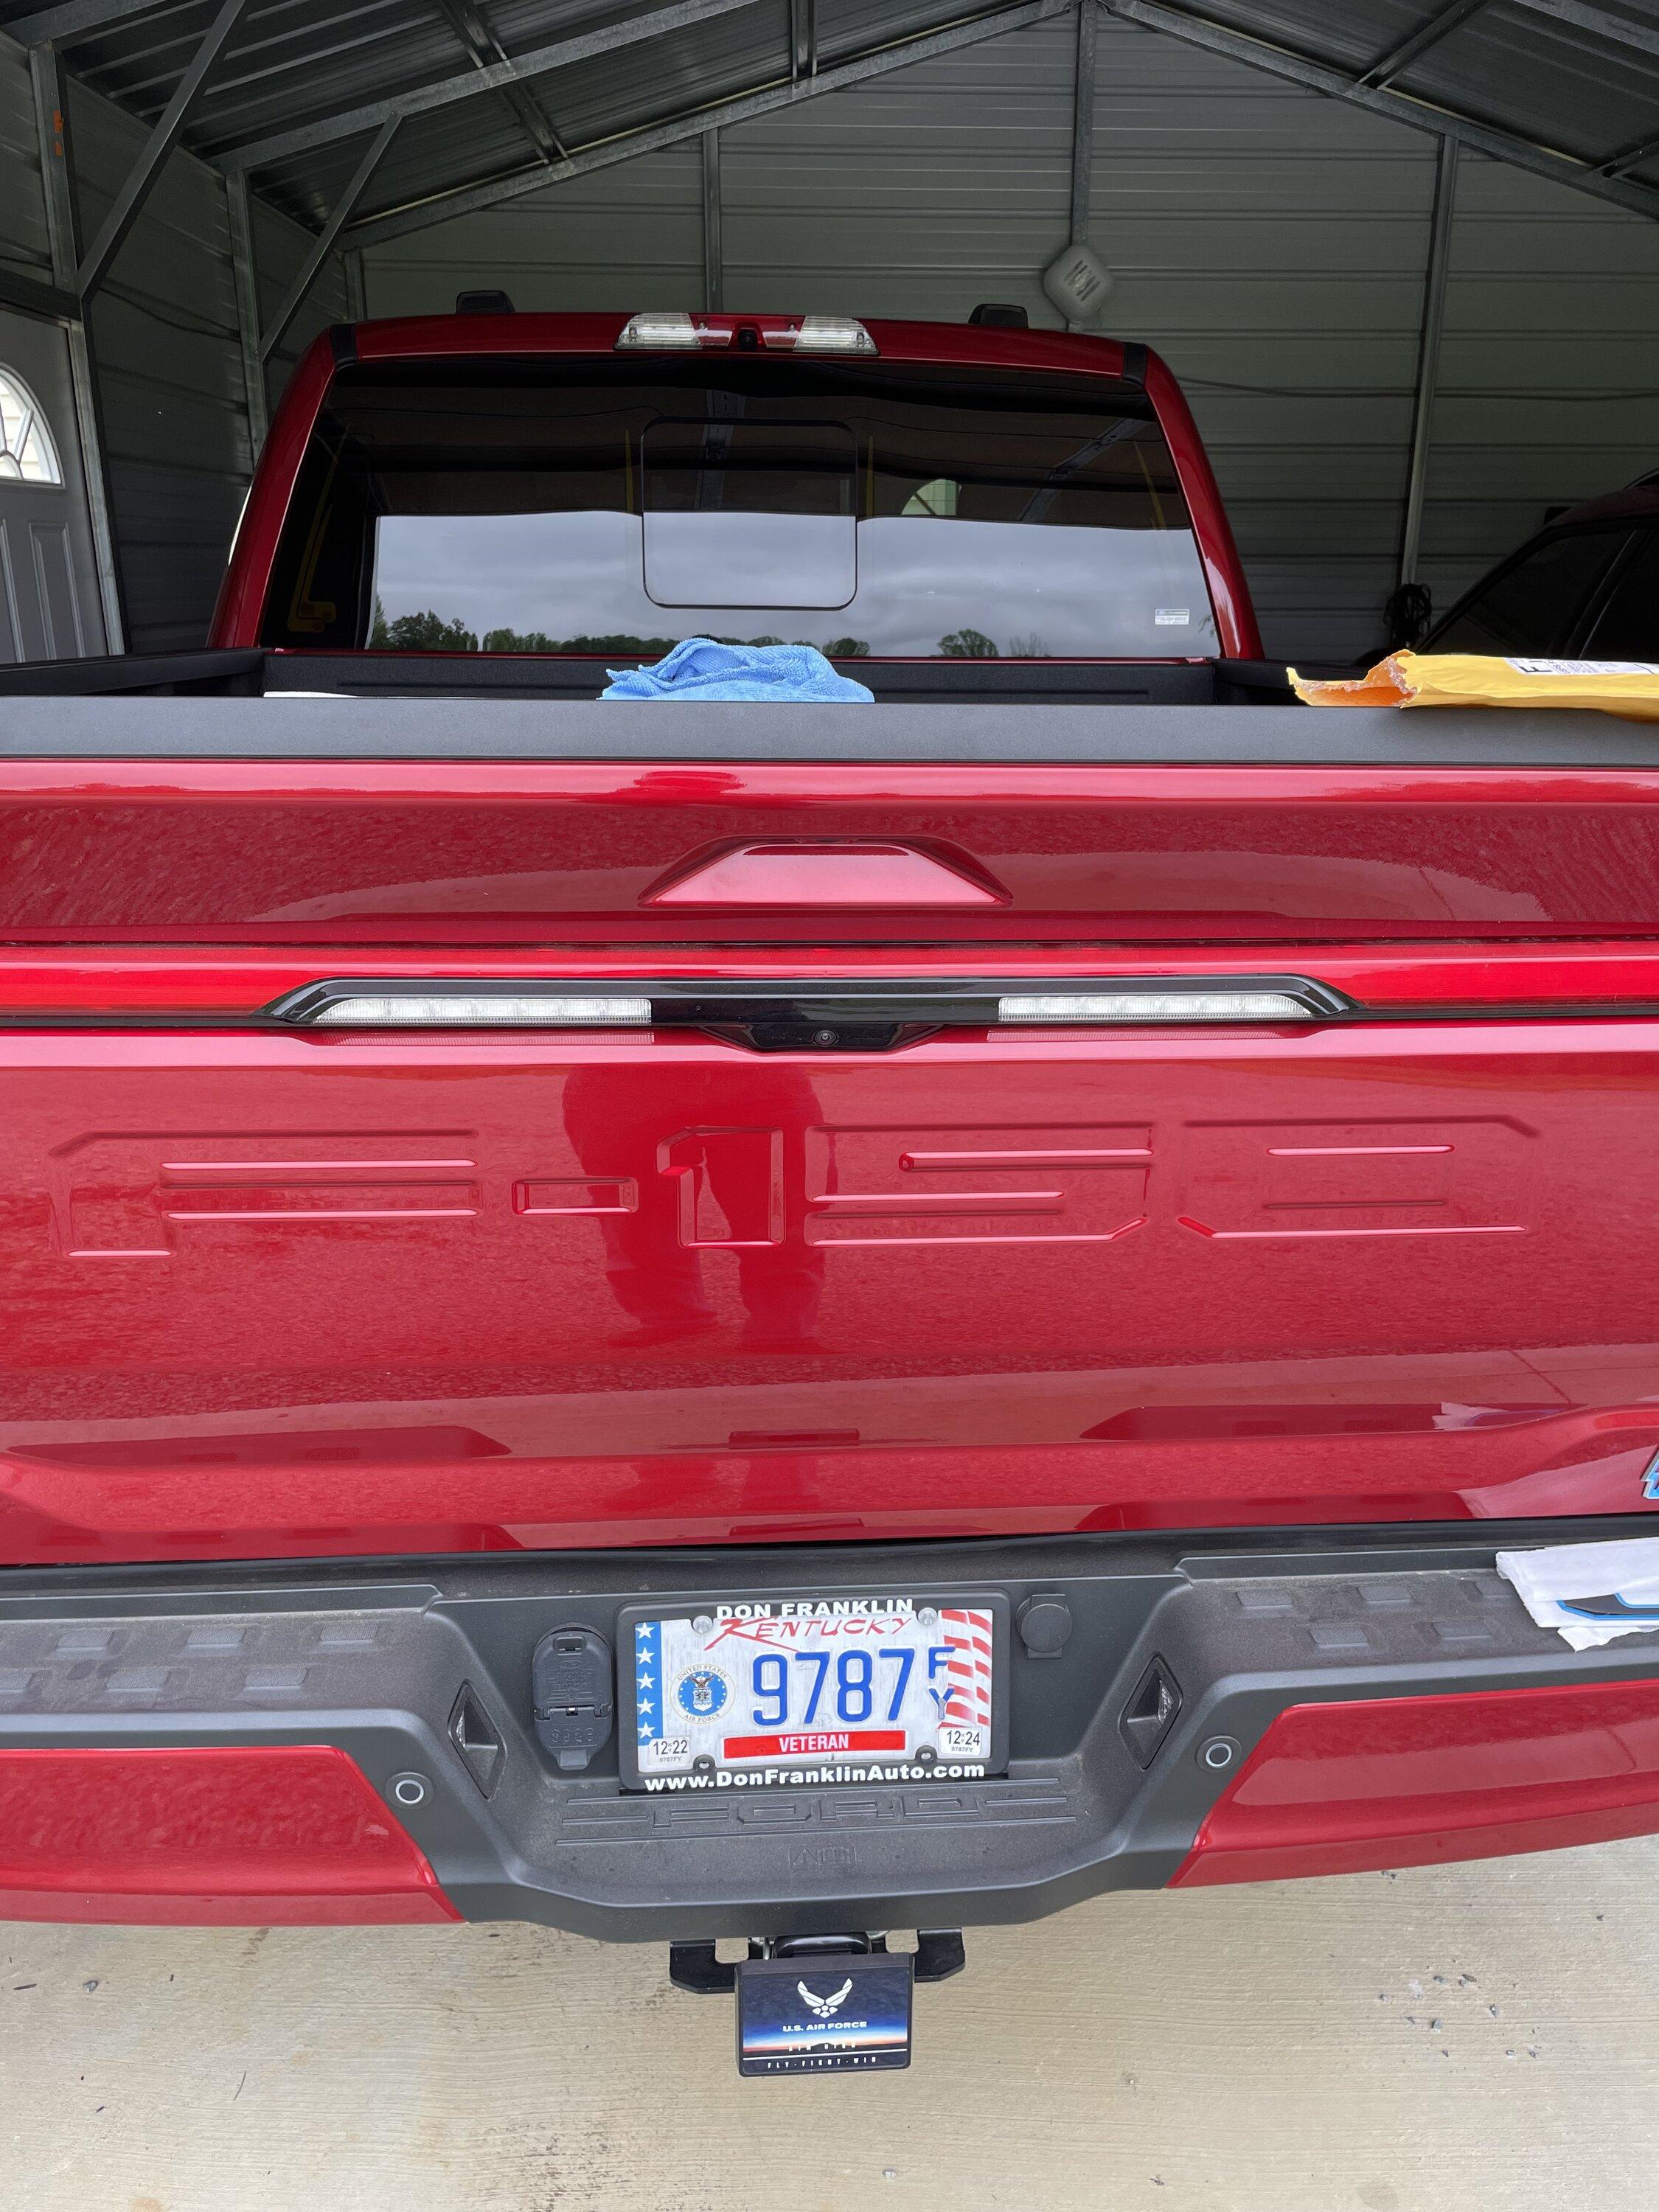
1586	587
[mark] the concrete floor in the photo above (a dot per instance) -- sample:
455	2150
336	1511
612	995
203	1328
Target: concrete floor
1481	2037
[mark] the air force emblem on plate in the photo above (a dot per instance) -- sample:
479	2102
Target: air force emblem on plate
703	1692
826	2008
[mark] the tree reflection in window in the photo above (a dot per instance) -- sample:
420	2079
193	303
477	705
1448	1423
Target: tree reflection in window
26	453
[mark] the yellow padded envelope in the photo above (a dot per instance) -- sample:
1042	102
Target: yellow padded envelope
1475	679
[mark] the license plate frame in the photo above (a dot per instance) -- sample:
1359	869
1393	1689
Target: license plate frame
747	1624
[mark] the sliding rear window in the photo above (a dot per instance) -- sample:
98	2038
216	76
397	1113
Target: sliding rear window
618	505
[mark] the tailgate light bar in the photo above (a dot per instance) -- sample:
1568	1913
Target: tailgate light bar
676	329
1156	1007
480	1009
796	1015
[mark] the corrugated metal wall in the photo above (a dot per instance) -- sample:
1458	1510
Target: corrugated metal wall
177	448
634	231
163	327
915	195
1270	242
23	247
1549	368
279	247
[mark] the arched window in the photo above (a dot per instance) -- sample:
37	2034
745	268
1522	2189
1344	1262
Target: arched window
26	453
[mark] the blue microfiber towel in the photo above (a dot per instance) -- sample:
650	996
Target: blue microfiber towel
698	668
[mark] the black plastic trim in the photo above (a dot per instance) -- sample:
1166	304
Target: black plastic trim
371	1655
470	725
868	1019
224	672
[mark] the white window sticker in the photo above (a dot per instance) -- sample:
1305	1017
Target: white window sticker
1581	667
1173	617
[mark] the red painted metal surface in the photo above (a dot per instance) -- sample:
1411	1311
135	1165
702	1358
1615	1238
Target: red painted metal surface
242	592
462	853
1348	1786
289	1835
799	876
1224	571
338	1294
237	617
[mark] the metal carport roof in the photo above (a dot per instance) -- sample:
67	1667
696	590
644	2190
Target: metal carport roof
368	119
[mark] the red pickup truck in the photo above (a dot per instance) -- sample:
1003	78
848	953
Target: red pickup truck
722	1320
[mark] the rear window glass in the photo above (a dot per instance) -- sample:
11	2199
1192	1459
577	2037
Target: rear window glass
616	507
1532	606
1627	628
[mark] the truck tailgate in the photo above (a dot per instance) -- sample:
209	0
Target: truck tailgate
273	1294
271	1291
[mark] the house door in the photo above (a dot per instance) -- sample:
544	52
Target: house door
49	605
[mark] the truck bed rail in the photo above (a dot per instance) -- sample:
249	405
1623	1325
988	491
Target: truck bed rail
52	723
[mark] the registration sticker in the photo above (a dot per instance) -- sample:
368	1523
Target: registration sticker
742	1693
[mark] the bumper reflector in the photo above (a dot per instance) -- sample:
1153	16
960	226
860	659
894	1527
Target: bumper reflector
279	1835
459	1010
1350	1787
1155	1006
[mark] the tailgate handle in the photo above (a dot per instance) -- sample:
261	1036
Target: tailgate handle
832	872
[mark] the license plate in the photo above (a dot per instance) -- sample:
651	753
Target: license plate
740	1693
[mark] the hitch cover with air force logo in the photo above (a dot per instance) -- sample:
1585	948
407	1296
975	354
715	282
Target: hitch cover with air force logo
835	2012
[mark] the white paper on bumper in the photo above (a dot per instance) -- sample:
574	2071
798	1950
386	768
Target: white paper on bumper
1592	1593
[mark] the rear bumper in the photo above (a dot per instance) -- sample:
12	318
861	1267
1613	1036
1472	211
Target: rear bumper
1345	1699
